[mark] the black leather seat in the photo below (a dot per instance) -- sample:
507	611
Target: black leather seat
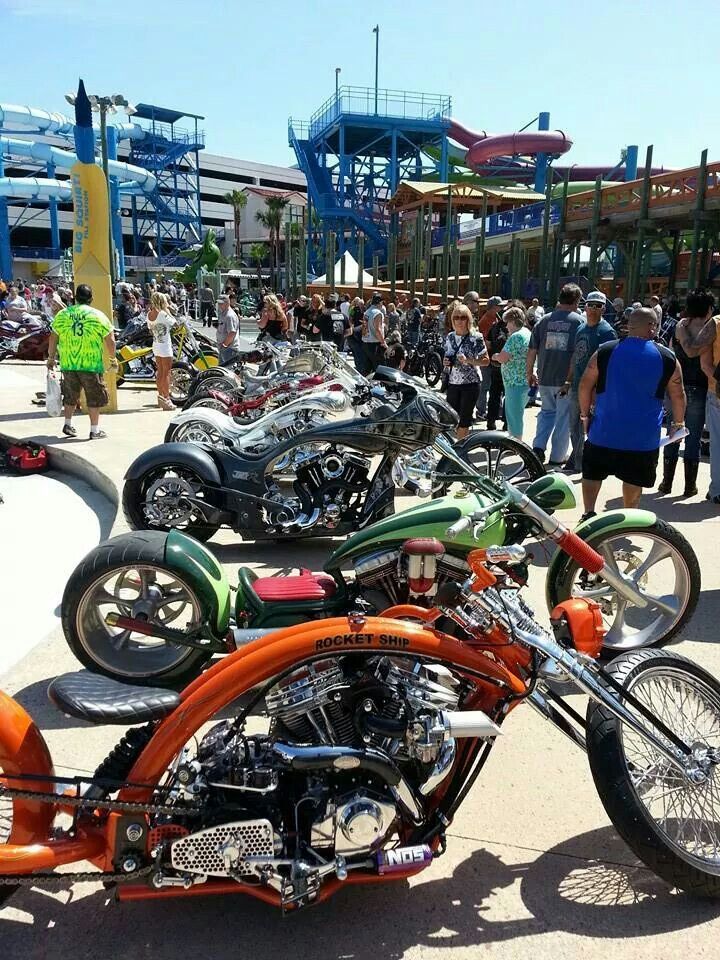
89	696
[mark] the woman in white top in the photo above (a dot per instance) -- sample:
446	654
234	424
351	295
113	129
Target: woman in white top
160	321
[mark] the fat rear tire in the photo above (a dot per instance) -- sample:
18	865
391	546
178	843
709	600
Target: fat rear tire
612	780
146	548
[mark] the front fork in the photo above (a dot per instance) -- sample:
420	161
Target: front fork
588	558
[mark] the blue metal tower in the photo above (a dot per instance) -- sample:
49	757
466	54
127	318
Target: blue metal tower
357	148
170	217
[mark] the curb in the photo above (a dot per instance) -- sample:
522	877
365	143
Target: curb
67	462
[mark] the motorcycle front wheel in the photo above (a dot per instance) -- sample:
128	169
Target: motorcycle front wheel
660	561
672	823
133	583
165	498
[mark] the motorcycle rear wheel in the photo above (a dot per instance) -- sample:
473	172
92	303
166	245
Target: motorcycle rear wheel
6	829
113	578
671	824
134	500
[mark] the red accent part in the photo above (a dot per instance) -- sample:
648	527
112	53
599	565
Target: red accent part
145	627
306	586
576	548
420	546
168	831
420	584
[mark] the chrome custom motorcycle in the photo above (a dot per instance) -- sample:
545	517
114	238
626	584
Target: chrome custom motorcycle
338	752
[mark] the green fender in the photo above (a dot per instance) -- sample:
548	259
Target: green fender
424	520
195	562
589	531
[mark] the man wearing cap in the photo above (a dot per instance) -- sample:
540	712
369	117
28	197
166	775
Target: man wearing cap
228	329
593	331
373	336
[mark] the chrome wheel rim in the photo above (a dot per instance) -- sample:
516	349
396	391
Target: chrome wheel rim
658	569
180	381
686	813
169	499
141	592
195	432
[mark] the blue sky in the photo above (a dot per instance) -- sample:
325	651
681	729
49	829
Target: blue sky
611	73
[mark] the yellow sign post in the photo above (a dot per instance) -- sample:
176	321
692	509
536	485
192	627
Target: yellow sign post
91	247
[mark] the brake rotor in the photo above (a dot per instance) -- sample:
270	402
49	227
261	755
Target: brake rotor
608	603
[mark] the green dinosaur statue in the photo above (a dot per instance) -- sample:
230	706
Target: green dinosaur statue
206	257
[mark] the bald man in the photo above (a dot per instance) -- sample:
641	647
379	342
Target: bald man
628	379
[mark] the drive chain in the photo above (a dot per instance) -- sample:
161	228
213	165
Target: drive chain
62	879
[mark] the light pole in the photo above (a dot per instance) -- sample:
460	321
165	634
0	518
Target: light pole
338	70
103	106
376	31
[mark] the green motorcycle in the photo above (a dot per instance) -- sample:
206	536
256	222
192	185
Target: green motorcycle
153	607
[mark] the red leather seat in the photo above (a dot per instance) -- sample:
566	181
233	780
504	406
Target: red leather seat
305	586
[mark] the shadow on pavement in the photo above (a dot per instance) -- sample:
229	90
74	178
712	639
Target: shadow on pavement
562	893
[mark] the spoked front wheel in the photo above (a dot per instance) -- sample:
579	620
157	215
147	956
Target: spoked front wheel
661	563
669	819
181	380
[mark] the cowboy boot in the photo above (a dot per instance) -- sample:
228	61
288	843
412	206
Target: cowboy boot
669	467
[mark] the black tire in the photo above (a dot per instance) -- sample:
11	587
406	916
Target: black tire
433	369
182	377
146	548
560	583
133	498
609	766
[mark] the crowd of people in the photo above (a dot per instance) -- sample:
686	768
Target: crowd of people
606	376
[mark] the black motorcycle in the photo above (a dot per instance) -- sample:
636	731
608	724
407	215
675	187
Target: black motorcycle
426	359
337	486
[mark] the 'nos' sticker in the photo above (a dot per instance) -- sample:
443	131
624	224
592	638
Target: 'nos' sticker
344	640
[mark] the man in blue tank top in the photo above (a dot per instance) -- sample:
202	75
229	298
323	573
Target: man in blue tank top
629	379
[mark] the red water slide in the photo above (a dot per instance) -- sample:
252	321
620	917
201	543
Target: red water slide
483	147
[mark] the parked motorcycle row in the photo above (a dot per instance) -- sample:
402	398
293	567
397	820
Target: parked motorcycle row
294	734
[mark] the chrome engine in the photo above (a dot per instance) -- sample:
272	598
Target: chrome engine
353	748
329	485
388	577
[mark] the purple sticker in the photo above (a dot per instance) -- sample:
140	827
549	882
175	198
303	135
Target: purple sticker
403	858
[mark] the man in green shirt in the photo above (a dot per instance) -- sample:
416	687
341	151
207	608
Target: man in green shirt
78	334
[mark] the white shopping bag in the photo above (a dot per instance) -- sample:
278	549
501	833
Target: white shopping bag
53	395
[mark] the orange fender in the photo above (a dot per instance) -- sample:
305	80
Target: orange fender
23	750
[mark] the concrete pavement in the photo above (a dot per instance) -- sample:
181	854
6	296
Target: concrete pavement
532	865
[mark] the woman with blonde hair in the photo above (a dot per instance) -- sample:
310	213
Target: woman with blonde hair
160	322
272	321
464	353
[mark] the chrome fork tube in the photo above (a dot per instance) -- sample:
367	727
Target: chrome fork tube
625	587
590	684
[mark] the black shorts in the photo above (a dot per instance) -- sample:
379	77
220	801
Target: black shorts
637	467
462	397
75	381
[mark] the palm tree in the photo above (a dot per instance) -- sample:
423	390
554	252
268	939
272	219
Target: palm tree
258	252
238	201
272	218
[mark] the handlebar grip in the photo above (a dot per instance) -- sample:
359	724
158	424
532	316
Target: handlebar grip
459	526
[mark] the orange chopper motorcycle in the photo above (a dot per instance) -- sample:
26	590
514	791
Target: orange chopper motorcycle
338	752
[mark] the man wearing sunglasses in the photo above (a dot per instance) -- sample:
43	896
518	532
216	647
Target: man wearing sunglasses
594	331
